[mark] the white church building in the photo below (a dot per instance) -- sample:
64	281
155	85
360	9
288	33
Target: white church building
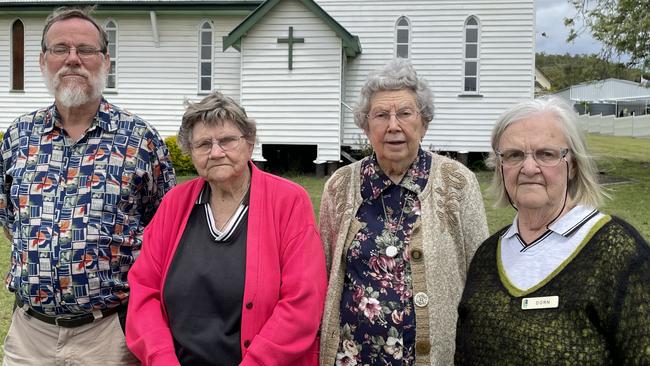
296	65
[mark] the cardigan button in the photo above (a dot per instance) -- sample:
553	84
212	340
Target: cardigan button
416	255
247	343
421	299
249	305
422	348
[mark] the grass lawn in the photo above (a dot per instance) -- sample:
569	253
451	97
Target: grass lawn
619	159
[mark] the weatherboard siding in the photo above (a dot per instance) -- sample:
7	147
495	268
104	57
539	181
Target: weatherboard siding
304	106
15	103
299	106
506	61
152	82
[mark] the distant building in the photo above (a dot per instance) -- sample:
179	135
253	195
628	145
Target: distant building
608	97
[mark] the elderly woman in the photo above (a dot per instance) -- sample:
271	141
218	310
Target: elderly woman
232	269
399	229
564	284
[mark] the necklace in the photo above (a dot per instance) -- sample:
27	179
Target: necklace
391	250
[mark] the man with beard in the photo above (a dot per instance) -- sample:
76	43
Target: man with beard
79	180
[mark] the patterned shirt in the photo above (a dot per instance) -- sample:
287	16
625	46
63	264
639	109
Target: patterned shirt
377	315
77	209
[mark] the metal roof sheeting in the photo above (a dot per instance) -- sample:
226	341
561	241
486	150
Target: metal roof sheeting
606	90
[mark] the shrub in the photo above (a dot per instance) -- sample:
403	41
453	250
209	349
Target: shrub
182	162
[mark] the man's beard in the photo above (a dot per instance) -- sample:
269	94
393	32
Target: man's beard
73	94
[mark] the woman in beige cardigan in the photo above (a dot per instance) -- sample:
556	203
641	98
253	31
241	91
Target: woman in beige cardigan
399	229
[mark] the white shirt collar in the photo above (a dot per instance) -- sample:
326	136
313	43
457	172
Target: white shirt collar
565	225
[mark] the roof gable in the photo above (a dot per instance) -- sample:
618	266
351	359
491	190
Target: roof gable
351	43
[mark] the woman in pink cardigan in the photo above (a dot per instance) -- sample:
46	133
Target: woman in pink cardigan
231	270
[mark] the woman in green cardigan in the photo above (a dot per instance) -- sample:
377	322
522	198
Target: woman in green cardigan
565	283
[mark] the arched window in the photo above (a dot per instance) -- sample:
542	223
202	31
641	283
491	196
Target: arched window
471	56
18	55
205	57
402	38
111	29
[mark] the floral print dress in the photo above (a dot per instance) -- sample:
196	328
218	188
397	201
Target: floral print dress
377	315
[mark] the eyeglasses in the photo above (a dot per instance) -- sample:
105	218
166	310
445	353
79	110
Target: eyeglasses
225	143
544	157
84	52
404	115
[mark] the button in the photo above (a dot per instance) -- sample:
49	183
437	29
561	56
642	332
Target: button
247	343
422	348
416	255
421	299
249	305
391	251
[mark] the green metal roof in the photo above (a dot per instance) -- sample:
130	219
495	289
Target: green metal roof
351	43
156	5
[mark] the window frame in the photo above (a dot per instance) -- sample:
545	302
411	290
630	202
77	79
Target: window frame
113	56
466	59
399	27
201	61
13	58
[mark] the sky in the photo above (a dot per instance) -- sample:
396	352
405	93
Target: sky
551	33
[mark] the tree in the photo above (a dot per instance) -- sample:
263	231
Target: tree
623	26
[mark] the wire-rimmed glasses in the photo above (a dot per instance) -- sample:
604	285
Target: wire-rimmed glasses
225	143
84	52
547	157
404	115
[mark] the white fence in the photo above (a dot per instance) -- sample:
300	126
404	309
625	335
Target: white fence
636	126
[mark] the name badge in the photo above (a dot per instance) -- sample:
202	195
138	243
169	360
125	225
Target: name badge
545	302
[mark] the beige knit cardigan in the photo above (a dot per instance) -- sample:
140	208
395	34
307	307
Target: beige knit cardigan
451	227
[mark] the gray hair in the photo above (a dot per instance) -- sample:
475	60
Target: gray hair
214	110
397	74
583	187
65	13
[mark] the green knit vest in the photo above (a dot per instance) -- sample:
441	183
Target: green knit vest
603	317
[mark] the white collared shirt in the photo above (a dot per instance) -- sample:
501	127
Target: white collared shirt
527	266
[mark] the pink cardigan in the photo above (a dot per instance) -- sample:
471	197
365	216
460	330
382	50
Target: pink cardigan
285	276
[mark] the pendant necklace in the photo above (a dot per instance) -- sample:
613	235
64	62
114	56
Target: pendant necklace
391	250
